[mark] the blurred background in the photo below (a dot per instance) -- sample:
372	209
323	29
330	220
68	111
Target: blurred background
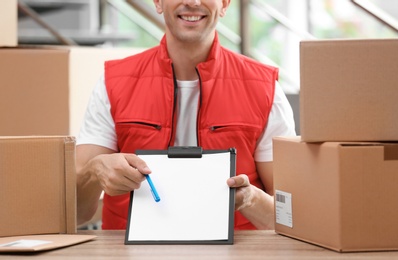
267	30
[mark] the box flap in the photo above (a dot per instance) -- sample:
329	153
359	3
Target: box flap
391	151
369	194
40	242
70	185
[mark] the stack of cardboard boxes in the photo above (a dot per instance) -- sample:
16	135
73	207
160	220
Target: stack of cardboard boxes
337	185
45	89
44	93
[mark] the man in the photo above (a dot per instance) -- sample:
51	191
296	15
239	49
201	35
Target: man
188	91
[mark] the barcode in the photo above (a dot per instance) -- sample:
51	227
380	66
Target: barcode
280	198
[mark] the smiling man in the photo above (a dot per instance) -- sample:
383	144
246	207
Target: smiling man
188	91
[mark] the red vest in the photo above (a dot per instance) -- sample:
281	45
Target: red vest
236	95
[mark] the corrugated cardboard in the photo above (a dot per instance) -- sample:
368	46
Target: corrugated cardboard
349	90
8	23
45	89
37	243
37	185
343	195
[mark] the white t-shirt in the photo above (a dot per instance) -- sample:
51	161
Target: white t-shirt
98	126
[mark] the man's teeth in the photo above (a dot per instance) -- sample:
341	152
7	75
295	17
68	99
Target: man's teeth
191	18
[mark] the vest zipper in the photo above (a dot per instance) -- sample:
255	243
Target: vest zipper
174	105
156	126
214	128
199	107
229	126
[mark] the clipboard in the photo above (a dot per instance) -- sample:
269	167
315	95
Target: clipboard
196	205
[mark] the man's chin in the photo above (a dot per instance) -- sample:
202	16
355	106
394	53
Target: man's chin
191	36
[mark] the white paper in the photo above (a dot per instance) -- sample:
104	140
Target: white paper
194	199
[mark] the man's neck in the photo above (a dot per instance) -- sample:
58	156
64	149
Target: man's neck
186	56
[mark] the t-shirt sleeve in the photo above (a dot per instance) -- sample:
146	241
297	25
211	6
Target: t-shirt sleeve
280	123
98	126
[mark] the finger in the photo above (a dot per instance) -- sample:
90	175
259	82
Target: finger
238	181
137	163
121	189
134	176
120	183
122	186
126	177
116	175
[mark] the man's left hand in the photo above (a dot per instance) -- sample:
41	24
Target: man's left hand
244	194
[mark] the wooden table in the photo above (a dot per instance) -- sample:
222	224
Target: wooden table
247	245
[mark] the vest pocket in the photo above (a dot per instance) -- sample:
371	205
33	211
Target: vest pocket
232	135
134	135
138	124
234	127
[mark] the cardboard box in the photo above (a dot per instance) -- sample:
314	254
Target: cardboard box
37	185
8	23
349	90
23	244
45	89
339	195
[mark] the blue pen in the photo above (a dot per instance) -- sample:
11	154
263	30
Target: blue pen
153	189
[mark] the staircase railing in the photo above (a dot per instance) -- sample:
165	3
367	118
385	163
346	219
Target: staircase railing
377	13
36	17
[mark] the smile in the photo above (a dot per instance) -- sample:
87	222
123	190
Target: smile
191	18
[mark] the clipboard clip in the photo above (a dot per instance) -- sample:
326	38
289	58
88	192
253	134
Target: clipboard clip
184	152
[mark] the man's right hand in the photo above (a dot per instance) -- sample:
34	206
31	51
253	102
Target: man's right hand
101	169
119	173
